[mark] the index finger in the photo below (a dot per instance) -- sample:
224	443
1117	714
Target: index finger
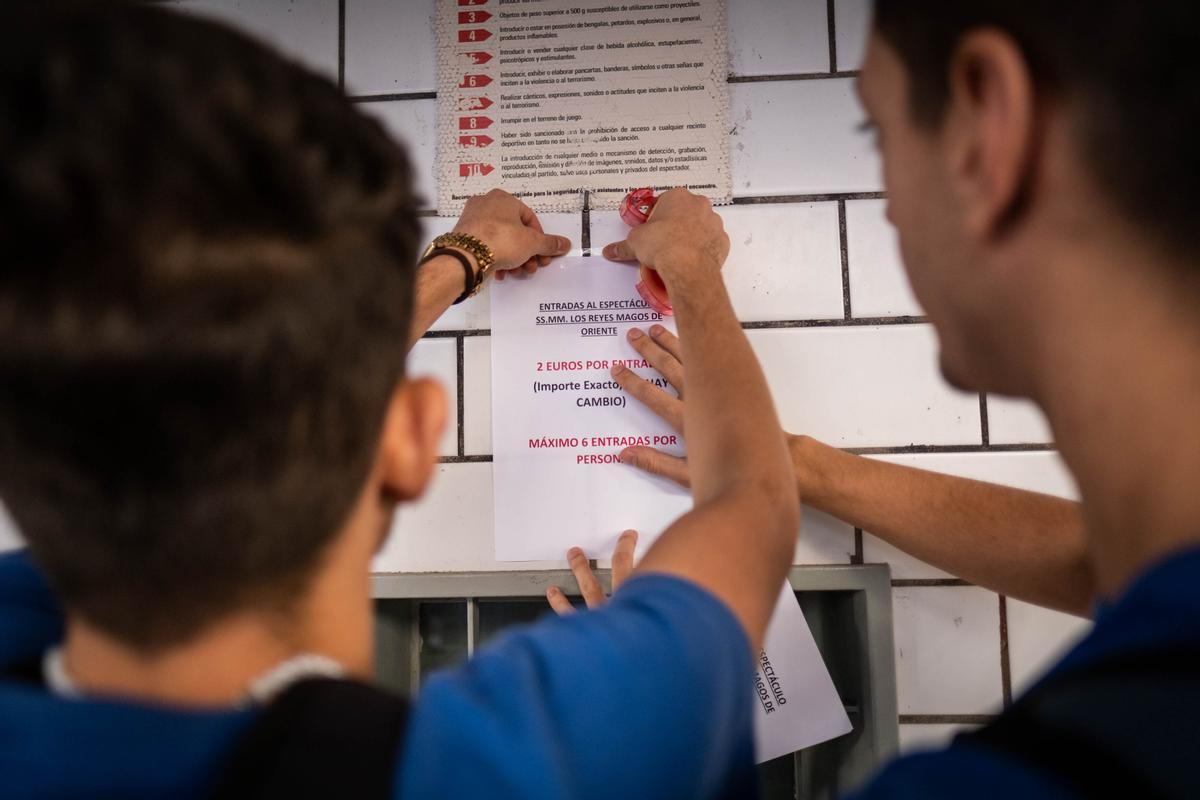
622	559
530	220
667	341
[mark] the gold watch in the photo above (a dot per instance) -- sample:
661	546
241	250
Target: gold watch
463	241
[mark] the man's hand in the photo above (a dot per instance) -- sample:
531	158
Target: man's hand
512	230
662	349
589	587
665	353
684	238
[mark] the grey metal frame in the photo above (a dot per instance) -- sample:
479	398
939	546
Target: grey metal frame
848	608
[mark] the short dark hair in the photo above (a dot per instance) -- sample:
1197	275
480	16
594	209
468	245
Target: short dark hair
206	277
1131	68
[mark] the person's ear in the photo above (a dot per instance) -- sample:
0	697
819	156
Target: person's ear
412	429
991	124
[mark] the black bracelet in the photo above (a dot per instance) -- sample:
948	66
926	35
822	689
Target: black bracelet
472	278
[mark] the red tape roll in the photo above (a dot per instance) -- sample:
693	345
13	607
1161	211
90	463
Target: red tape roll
635	210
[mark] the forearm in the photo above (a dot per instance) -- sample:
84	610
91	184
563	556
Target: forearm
440	281
730	419
1023	544
739	539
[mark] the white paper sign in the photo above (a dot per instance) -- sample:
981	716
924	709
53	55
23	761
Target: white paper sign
796	703
559	422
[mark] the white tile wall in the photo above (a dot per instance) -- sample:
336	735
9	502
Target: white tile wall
477	395
443	532
390	46
800	137
778	37
870	386
1037	638
438	358
852	19
1013	421
414	124
823	539
878	285
785	261
9	538
1037	472
947	650
934	736
306	30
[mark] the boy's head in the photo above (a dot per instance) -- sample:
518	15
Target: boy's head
1019	137
206	271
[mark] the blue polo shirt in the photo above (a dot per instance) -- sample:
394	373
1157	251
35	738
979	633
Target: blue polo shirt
1160	611
647	697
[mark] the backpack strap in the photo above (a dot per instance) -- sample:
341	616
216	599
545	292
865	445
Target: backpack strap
322	737
1122	727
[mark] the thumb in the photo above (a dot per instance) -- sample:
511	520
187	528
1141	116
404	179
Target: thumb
619	251
551	245
657	462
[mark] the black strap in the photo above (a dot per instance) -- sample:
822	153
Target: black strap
473	279
1122	727
320	738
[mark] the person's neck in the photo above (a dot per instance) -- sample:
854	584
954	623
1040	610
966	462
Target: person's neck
216	667
1119	378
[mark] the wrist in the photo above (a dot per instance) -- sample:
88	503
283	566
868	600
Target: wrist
804	452
683	273
448	263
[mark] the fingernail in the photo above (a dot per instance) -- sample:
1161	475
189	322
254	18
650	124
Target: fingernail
564	244
656	330
574	553
609	250
626	456
635	333
628	533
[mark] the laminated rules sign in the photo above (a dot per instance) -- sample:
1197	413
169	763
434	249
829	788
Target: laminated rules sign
546	99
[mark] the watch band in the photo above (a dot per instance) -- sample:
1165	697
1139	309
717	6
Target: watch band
478	250
473	281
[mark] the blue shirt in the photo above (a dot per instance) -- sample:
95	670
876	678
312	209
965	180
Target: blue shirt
1159	611
646	697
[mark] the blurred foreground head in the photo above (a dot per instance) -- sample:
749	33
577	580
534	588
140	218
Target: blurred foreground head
205	291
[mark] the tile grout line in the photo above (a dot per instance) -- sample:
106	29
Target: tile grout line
931	449
465	460
928	583
462	399
814	197
831	22
392	97
585	231
945	719
844	243
1005	660
342	45
857	557
985	434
